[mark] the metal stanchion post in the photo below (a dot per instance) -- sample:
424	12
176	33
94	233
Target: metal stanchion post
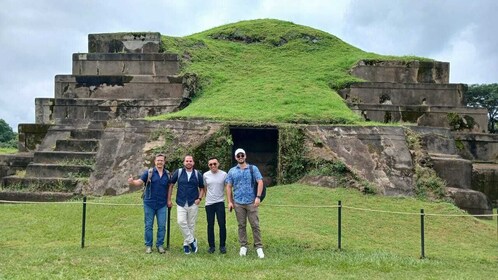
422	236
339	221
83	222
168	230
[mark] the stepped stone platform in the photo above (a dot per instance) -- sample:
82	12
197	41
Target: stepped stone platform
436	72
124	75
126	42
126	87
86	138
404	94
109	64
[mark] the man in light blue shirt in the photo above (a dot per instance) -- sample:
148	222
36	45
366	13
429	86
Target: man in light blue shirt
241	197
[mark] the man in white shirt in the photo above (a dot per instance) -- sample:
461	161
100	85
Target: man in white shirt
214	182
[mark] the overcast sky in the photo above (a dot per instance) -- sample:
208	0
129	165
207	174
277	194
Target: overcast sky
38	37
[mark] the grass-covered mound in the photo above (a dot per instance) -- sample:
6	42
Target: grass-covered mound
42	241
268	71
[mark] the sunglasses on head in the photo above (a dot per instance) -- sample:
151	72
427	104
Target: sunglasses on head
240	155
213	164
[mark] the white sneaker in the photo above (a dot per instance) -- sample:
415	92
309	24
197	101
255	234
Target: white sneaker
261	255
243	251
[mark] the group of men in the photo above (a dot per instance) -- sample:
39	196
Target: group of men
192	186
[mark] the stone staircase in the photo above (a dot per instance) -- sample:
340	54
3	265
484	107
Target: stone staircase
124	76
419	93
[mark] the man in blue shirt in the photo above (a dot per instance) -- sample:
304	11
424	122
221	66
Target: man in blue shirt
246	202
189	195
155	195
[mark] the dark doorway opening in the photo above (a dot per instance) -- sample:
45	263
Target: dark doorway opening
261	146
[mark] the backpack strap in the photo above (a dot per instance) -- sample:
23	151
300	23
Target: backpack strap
147	184
252	176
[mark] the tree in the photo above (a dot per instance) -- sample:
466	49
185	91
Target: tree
7	135
484	96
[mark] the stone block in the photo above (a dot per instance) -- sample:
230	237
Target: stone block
63	156
129	42
485	180
77	145
402	71
117	87
456	118
478	147
48	170
404	94
474	202
457	172
378	154
31	136
107	64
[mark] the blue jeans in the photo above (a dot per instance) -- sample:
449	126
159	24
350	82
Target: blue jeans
160	215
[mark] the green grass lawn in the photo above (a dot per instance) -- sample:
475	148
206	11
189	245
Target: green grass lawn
4	150
42	241
268	71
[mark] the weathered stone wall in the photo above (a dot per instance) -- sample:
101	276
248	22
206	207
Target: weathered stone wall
429	116
129	42
478	147
405	94
31	135
132	144
403	72
378	154
118	87
109	64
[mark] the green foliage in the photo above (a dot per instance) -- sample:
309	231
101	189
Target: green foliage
484	96
299	240
8	150
291	153
427	184
328	168
280	72
176	151
460	123
8	138
219	146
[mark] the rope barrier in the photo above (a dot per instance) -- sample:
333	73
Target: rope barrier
264	205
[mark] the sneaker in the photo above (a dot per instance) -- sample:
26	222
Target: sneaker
161	250
261	255
211	250
193	246
223	250
148	250
186	249
243	251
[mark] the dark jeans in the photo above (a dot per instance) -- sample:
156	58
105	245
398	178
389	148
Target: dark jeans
217	209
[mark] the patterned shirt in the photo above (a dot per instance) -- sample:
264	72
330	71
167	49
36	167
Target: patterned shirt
243	188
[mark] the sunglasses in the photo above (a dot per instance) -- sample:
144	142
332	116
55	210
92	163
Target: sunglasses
241	155
213	164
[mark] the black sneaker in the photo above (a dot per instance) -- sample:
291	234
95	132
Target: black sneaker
211	250
193	246
223	250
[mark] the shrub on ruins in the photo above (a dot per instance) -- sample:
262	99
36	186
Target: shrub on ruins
8	138
484	96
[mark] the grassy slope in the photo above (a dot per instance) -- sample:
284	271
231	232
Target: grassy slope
262	82
43	241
